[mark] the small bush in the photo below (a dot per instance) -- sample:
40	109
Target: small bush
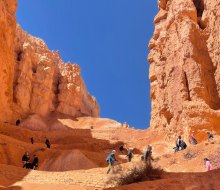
189	155
140	171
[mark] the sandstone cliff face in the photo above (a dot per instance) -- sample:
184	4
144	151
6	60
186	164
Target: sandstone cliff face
184	67
35	79
7	35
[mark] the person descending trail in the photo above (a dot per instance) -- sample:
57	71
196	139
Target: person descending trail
192	139
129	155
35	162
111	160
47	142
25	159
210	136
32	140
208	164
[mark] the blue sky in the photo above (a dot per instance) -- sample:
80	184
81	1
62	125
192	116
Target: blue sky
108	39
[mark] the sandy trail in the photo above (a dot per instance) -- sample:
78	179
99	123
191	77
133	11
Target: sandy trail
76	159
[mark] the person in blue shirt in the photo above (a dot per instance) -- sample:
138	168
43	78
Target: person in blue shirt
111	160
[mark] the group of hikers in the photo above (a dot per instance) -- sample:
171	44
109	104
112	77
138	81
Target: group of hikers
34	163
27	163
111	159
181	145
147	153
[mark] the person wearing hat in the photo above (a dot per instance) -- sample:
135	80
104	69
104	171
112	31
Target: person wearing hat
111	160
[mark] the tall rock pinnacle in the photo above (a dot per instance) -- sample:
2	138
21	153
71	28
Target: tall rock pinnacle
35	80
184	66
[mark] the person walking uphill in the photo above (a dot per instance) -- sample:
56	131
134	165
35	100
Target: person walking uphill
129	155
148	153
47	142
111	160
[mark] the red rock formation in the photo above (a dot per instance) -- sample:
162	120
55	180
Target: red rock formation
7	35
184	71
35	79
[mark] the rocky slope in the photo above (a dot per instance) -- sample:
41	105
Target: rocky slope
79	148
184	67
35	79
49	95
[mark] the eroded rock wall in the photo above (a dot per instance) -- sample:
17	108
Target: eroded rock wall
7	35
34	79
184	67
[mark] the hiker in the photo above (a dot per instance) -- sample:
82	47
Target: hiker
147	154
32	140
183	145
121	149
35	162
210	136
25	159
192	139
129	155
28	165
111	160
17	122
47	142
178	143
208	164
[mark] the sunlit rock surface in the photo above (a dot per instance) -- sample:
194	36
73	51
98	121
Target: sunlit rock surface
35	79
184	67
